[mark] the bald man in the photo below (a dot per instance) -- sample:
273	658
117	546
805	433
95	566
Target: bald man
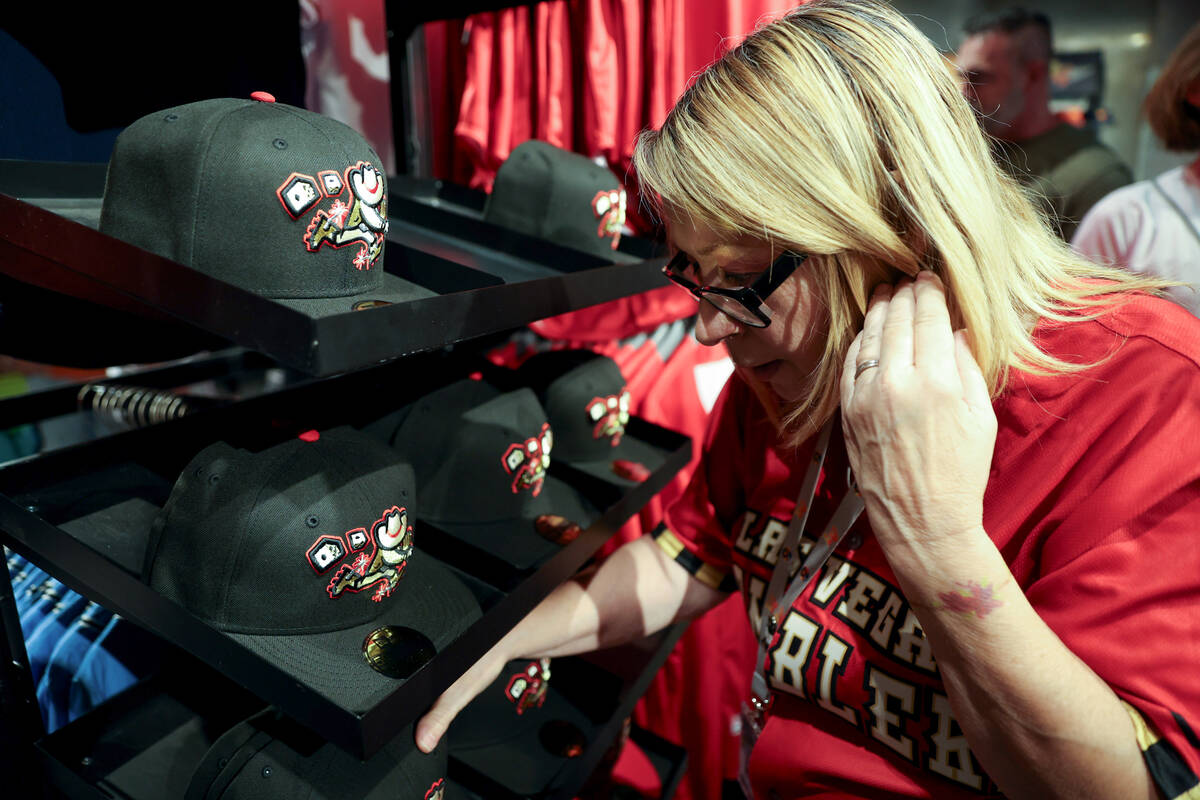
1005	65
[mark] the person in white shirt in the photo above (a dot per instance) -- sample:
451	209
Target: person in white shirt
1153	226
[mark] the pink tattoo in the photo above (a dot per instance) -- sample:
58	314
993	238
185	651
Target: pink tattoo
976	598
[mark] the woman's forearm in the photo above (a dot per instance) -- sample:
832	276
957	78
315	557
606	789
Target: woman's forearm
636	591
1040	721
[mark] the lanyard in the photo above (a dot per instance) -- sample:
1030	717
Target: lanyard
777	599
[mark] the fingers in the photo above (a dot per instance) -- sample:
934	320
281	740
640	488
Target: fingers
933	336
432	726
872	331
896	350
975	387
849	367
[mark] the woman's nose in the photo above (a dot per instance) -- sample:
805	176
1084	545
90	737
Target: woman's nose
713	326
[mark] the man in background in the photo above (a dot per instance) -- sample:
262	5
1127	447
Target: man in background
1005	65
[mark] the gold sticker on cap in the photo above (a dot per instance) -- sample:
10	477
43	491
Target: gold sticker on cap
363	305
396	651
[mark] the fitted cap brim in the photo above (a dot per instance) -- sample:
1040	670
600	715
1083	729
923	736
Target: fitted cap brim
428	599
255	759
516	541
514	750
392	290
629	449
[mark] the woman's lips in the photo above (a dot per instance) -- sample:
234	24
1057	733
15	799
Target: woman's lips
764	372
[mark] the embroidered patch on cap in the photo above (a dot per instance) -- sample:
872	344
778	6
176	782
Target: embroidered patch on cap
527	461
609	208
609	415
357	215
391	545
437	790
527	689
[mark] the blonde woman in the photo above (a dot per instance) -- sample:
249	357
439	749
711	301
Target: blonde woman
1017	611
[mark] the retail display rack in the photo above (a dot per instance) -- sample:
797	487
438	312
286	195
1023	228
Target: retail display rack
488	281
338	369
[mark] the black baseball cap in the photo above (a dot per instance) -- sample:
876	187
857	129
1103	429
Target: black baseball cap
588	405
304	553
520	731
564	197
280	201
266	757
481	456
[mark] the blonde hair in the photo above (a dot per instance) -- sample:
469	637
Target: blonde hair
1176	121
838	131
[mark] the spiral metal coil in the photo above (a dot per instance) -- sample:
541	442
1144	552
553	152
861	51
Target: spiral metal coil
131	406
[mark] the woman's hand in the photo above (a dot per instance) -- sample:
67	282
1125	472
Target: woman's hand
432	726
919	426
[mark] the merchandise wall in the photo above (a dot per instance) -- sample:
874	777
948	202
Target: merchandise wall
87	514
206	513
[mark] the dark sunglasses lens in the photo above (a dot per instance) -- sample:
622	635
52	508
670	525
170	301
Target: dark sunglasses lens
734	308
396	651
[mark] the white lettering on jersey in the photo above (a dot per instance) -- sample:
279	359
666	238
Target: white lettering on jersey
858	605
949	754
790	656
890	698
911	645
755	589
833	660
836	573
885	620
769	542
745	541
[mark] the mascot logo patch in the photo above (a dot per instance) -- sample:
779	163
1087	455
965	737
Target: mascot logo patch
527	461
527	689
378	556
356	217
609	208
437	790
609	415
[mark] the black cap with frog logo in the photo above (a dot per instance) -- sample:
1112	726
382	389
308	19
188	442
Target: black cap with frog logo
304	553
283	202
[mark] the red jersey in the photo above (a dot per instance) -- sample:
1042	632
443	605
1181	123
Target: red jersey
1094	502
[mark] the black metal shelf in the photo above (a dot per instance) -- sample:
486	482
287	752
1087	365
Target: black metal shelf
486	280
31	490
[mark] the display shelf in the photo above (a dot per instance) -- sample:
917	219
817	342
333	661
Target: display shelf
597	702
479	286
235	367
142	464
146	742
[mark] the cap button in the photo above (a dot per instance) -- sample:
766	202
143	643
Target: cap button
262	97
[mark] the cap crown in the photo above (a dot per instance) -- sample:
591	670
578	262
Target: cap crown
253	542
269	197
554	194
585	398
480	455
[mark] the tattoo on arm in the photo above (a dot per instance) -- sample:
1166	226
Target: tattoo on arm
974	597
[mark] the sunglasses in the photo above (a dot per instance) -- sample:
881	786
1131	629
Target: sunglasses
747	304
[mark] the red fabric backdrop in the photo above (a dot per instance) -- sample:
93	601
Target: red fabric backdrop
585	75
